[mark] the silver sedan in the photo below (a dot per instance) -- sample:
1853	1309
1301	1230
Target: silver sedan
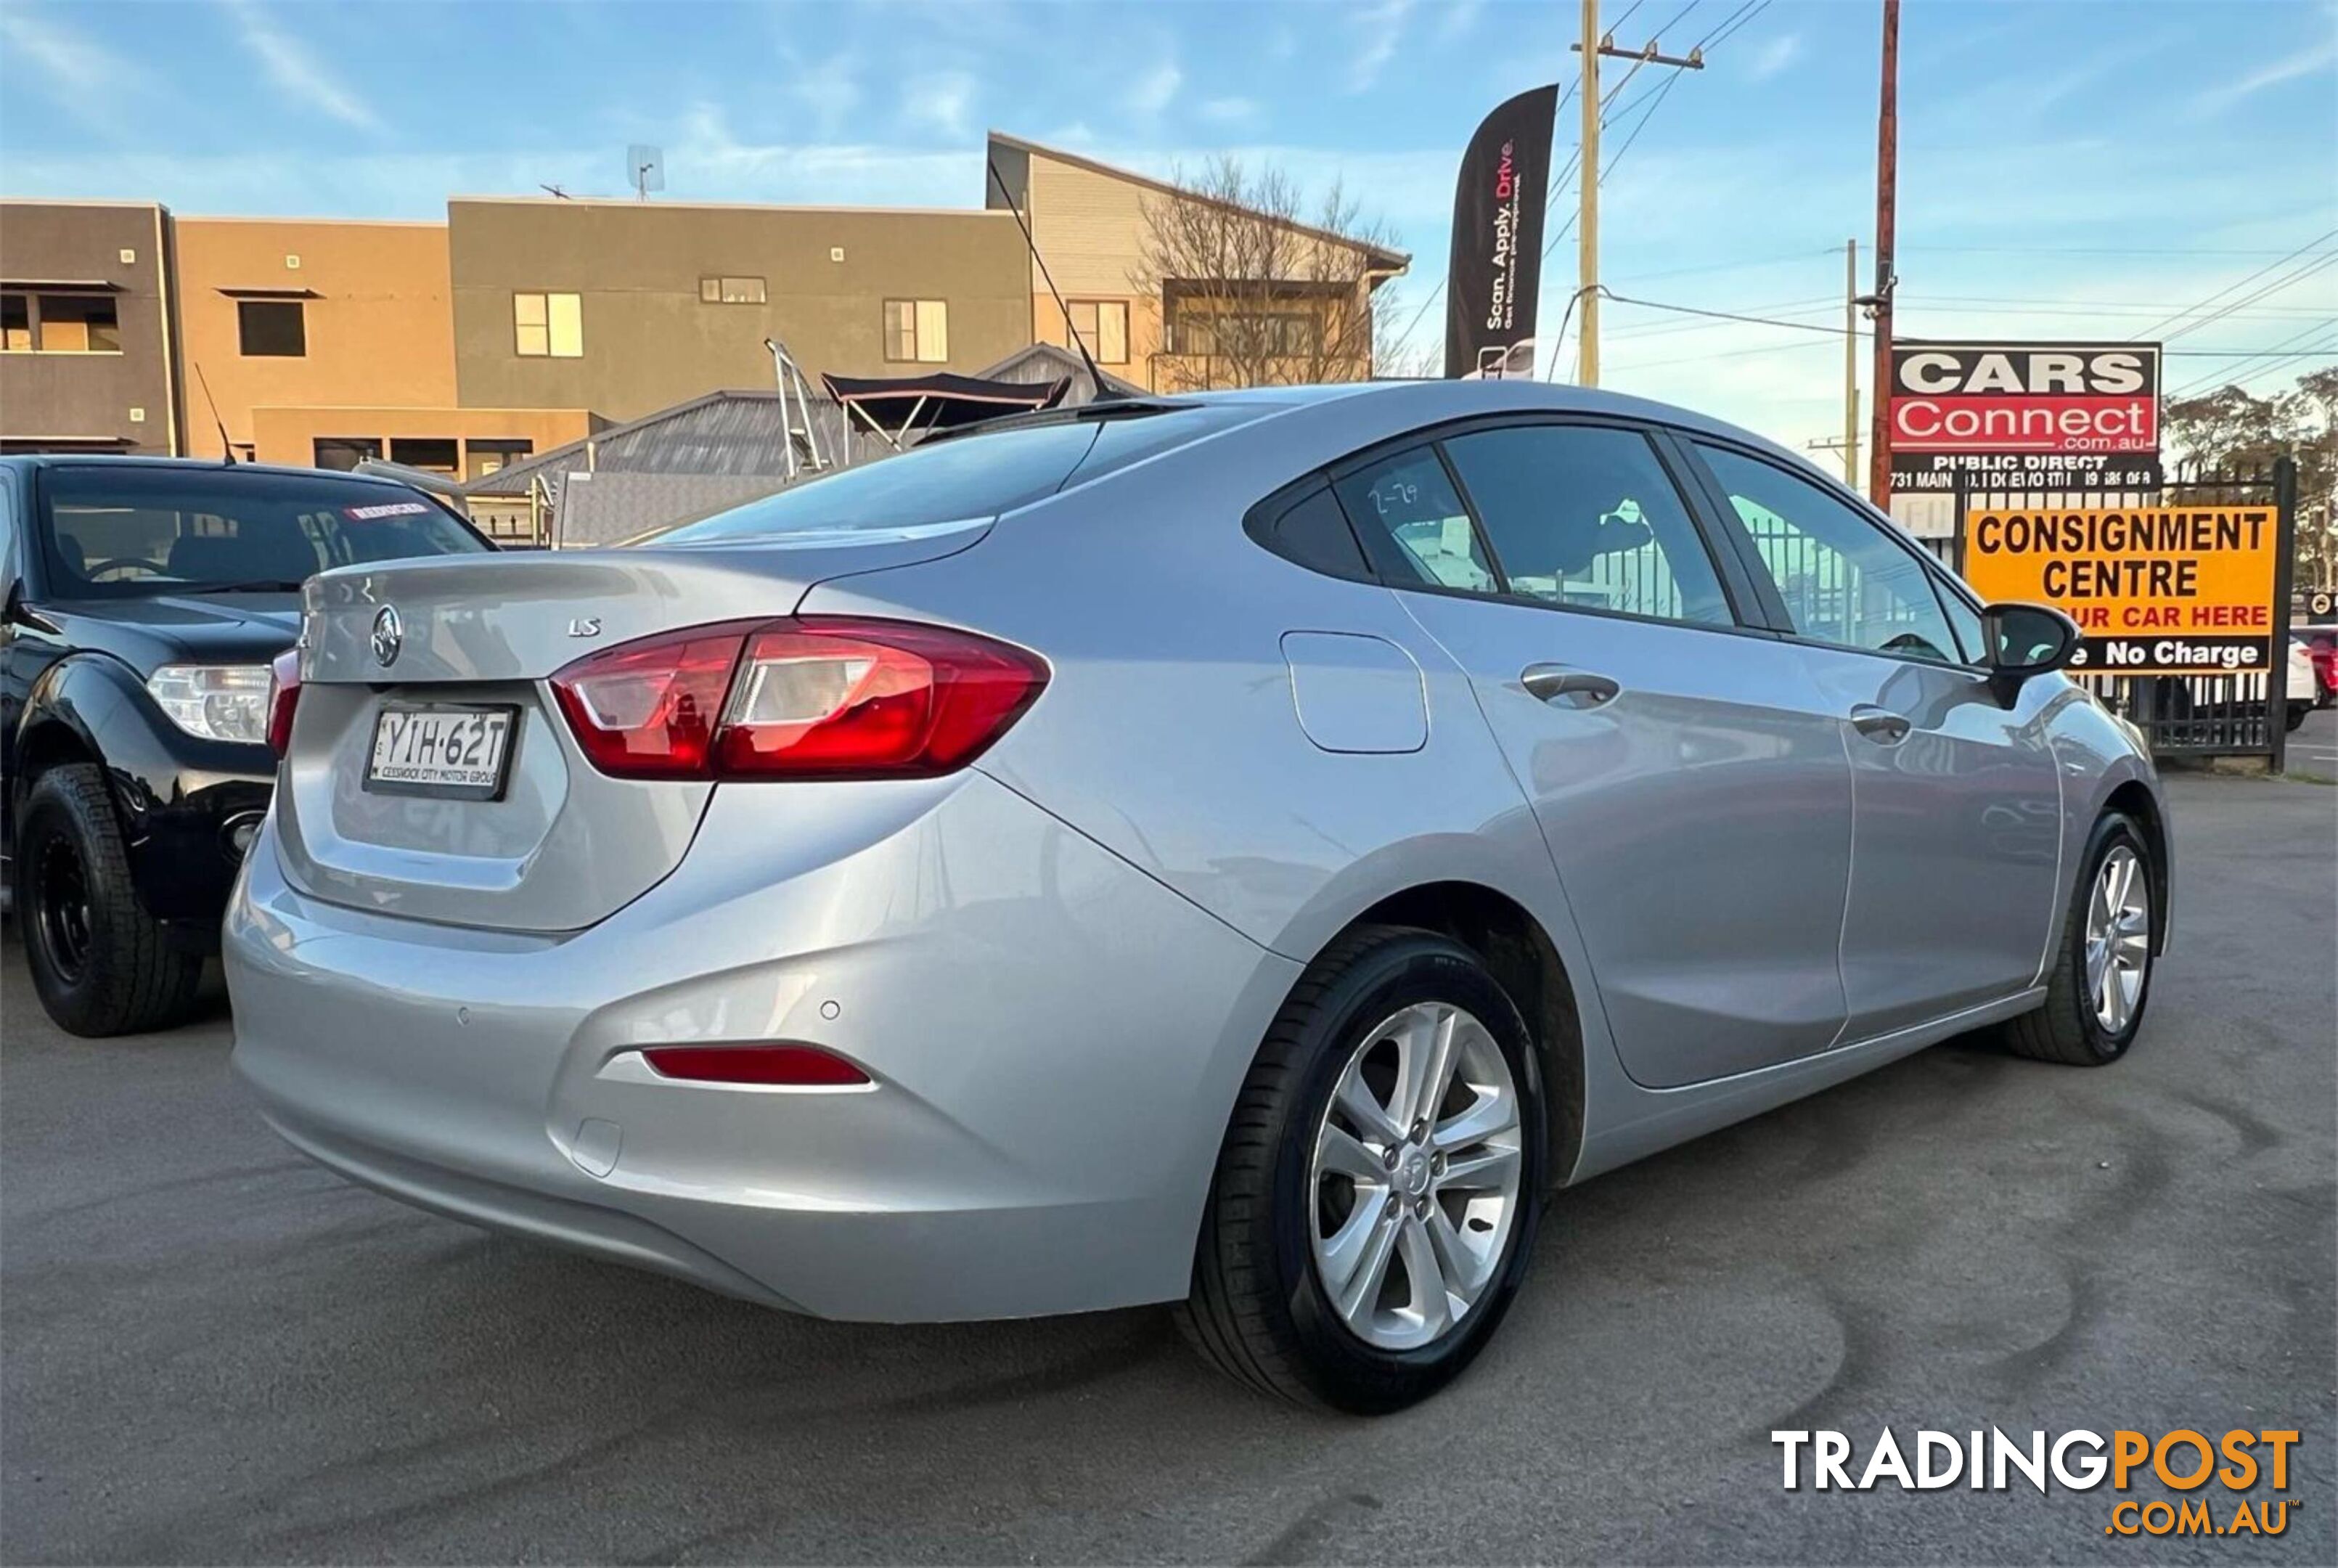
1244	851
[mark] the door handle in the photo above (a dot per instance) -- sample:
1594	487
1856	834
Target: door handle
1879	725
1564	687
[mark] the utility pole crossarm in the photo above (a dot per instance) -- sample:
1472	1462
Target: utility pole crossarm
1691	61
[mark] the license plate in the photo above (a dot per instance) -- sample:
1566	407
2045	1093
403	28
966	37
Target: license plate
456	750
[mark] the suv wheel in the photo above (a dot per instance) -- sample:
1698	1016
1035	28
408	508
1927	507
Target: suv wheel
1377	1195
100	965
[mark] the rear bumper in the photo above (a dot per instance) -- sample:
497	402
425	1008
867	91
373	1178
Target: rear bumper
1056	1041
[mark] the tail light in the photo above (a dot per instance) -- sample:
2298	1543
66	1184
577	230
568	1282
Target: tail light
283	696
819	696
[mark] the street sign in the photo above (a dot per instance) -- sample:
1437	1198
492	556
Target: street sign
2155	590
2025	416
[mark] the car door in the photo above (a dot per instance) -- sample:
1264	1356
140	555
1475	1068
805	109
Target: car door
1956	796
1692	790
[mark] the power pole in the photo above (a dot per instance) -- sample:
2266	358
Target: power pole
1887	180
1587	223
1850	364
1587	228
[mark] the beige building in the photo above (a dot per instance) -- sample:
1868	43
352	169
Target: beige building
1094	224
627	307
85	331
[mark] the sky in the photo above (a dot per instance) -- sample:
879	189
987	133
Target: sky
2114	169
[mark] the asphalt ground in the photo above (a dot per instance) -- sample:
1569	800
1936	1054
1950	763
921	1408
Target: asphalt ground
212	1351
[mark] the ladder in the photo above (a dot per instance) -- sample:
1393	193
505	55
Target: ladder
803	448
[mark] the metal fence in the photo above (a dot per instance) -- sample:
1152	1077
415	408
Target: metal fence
2184	715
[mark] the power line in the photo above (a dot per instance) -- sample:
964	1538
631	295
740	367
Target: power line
2280	350
2326	260
1732	31
2245	283
1723	23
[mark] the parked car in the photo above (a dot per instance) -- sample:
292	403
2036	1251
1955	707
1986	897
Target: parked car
144	599
2322	647
2304	689
1198	850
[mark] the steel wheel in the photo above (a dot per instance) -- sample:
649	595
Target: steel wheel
2118	940
60	900
1415	1177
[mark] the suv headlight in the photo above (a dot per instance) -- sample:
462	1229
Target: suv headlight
215	702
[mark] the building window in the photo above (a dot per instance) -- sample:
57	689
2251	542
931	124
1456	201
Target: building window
59	324
548	325
1102	326
730	291
916	331
429	452
345	452
273	329
487	457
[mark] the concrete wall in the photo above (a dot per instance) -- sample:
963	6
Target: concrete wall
378	328
128	399
649	341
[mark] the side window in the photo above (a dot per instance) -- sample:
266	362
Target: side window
1408	502
1966	622
1585	515
7	532
1843	579
1313	532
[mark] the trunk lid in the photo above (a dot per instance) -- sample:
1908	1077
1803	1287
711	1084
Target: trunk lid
563	845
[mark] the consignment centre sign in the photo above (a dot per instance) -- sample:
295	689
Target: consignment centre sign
2157	590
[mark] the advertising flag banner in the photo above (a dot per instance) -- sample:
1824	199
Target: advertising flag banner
2025	417
2157	590
1498	221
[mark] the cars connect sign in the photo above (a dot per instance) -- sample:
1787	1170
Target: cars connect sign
2025	416
2155	590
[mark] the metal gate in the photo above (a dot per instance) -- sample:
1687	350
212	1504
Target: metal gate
2184	715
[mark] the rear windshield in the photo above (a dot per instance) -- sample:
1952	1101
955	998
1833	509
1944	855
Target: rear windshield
130	532
979	475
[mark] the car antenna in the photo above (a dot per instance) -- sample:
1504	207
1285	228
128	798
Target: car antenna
1103	394
227	448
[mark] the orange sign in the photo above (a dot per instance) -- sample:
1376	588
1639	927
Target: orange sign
2157	590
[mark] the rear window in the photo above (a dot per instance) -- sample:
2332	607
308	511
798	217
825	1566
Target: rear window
980	474
132	532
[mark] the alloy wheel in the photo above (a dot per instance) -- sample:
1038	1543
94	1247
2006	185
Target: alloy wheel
1415	1178
2118	940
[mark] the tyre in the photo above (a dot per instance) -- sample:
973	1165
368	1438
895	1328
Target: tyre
1377	1191
100	965
2297	712
2101	979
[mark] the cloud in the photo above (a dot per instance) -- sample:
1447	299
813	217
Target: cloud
1460	17
1377	28
941	101
829	89
1775	55
85	79
1153	90
295	68
2217	100
1227	111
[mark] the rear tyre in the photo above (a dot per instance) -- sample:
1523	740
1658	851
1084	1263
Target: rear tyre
2101	979
100	965
1377	1191
2297	712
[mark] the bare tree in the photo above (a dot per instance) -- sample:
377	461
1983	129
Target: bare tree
1255	288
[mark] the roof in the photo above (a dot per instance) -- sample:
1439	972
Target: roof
1044	362
203	465
1395	260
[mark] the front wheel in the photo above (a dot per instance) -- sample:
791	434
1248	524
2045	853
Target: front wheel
101	965
1379	1188
2101	977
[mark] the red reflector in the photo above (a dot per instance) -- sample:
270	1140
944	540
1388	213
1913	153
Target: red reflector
804	1065
283	695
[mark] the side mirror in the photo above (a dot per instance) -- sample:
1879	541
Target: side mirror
2024	641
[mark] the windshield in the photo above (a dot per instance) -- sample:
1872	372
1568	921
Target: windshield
979	474
130	532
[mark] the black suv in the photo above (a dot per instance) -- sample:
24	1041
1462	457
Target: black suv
145	598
